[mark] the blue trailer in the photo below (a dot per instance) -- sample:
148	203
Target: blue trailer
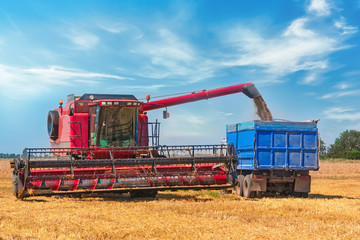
274	156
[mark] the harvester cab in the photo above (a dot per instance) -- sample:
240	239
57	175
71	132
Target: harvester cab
112	125
104	143
96	120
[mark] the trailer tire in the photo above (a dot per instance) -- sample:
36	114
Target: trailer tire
53	124
300	194
247	186
304	195
239	188
238	191
296	194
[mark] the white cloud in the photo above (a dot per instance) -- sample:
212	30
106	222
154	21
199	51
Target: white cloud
304	45
169	48
297	28
26	82
343	86
342	114
172	57
83	39
298	48
341	94
341	24
65	73
120	28
310	78
114	27
319	7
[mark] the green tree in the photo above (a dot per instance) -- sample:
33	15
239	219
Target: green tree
322	149
347	145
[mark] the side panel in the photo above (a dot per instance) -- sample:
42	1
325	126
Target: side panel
79	126
286	149
143	131
263	149
64	133
243	142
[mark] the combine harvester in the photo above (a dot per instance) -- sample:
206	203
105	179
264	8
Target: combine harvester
104	143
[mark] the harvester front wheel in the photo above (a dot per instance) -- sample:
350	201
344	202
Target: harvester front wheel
15	185
53	124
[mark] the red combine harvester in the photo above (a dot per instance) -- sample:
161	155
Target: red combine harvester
105	143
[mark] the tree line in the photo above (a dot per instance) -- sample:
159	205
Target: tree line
347	146
9	155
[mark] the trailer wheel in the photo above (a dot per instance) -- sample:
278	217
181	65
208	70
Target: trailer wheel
304	195
296	194
300	194
239	188
247	186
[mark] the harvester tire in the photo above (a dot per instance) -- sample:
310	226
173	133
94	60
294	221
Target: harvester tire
53	124
247	186
15	185
135	194
143	194
151	193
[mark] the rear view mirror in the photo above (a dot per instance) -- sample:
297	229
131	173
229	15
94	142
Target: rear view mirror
71	112
166	114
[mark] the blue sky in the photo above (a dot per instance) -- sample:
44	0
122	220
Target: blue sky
303	56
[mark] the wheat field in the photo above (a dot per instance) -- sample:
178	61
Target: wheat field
332	211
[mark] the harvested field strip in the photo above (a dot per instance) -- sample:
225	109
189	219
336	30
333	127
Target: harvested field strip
331	212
